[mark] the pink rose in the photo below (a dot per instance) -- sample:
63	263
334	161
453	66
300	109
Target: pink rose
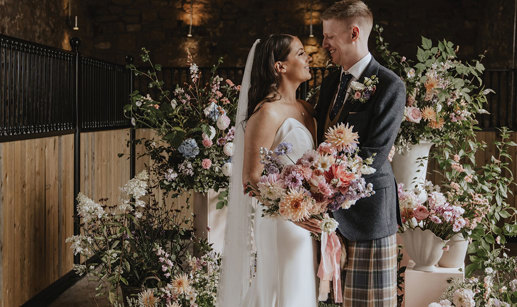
421	213
206	163
413	114
207	143
357	95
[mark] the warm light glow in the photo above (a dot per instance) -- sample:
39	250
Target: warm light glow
65	43
198	13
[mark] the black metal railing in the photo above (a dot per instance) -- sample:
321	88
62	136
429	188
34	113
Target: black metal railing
105	89
38	91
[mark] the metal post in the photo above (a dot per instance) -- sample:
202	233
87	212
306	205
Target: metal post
75	42
132	149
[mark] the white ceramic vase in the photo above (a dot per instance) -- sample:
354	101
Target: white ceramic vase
423	247
210	222
410	167
454	257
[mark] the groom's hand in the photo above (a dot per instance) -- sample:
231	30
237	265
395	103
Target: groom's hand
312	225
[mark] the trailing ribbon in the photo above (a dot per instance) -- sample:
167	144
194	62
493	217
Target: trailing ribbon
329	268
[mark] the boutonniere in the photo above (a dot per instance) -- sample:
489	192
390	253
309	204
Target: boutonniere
363	91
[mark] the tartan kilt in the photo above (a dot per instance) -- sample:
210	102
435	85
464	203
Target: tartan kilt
370	273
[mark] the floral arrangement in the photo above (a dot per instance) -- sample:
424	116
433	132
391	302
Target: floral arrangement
434	212
194	122
363	91
495	286
444	94
193	285
325	179
122	240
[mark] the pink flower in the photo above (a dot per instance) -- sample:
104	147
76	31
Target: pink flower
219	94
326	148
229	82
421	212
238	87
156	106
458	167
223	122
413	114
206	163
456	158
468	178
435	219
458	224
225	100
455	186
325	189
357	95
207	143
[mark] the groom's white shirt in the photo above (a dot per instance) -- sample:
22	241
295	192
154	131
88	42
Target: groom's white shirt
356	70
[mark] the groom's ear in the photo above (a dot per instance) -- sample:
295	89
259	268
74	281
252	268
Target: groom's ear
279	67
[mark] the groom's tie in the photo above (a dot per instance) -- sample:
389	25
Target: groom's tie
340	99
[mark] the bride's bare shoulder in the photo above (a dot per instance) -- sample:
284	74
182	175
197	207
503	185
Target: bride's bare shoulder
267	114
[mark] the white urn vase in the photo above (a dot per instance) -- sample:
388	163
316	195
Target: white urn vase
410	166
209	222
454	256
423	247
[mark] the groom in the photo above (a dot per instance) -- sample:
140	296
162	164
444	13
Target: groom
369	227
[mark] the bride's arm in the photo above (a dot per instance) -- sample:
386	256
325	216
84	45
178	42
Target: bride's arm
260	132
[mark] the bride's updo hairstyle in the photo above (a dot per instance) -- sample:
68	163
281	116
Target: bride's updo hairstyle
264	78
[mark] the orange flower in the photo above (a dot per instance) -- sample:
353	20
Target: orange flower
430	83
295	206
339	172
428	114
181	284
341	136
437	124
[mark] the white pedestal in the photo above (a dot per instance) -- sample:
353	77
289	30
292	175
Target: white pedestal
423	288
209	222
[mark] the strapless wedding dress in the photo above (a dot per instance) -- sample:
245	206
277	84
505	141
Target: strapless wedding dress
286	263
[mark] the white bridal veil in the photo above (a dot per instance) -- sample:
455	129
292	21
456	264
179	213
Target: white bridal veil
237	261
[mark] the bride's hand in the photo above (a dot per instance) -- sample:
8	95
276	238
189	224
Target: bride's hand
312	225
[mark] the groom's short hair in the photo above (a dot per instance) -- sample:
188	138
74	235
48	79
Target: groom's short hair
346	9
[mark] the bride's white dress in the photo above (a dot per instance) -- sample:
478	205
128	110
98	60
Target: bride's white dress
286	262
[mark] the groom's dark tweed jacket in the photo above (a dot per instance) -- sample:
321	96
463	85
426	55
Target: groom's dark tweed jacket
377	122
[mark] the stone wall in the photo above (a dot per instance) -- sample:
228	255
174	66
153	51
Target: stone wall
112	29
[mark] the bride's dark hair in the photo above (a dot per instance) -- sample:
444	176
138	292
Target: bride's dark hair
264	78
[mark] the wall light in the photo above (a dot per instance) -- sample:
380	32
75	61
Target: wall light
191	18
310	26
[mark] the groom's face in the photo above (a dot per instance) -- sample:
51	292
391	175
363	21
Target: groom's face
337	39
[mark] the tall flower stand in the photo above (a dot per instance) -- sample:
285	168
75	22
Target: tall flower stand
410	166
423	288
209	222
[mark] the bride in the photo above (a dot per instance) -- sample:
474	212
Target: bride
282	274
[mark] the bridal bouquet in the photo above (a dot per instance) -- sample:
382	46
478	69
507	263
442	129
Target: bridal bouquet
322	180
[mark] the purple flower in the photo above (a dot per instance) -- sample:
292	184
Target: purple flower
283	148
271	168
293	180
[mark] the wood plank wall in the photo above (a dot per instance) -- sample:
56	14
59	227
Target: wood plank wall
36	201
36	206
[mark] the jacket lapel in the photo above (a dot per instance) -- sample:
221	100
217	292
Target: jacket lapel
371	69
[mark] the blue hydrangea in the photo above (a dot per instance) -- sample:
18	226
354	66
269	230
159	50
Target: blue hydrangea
189	148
